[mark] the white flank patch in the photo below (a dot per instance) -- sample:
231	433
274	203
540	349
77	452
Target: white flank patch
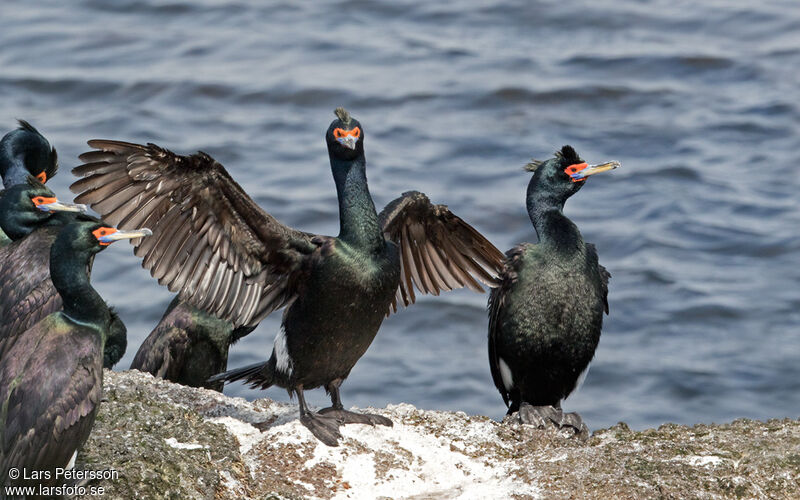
283	363
71	464
581	378
183	446
505	374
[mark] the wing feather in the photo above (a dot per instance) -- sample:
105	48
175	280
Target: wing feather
211	243
438	250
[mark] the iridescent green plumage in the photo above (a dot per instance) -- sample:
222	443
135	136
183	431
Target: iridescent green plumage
229	258
27	293
24	151
51	377
545	317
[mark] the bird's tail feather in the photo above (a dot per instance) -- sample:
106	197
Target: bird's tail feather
258	375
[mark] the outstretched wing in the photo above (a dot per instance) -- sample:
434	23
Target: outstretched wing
438	250
211	242
497	301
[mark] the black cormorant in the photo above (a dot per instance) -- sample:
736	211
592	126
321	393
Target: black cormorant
24	151
32	216
51	378
188	346
227	256
546	316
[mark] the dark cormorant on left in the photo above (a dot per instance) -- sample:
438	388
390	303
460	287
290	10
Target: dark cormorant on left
24	151
51	378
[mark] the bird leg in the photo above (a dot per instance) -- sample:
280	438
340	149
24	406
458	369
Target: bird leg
323	427
546	416
336	410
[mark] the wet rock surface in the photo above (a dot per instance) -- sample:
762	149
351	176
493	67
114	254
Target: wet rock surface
170	441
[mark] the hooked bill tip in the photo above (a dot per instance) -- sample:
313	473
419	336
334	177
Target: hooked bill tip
348	142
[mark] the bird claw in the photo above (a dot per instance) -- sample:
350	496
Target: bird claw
549	416
574	421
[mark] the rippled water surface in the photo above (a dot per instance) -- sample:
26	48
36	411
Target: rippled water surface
699	228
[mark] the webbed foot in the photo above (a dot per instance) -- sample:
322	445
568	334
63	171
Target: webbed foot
549	416
323	427
349	417
574	421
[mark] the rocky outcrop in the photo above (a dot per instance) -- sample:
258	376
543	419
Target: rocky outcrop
168	441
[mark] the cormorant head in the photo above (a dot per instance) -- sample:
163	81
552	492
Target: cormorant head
87	234
25	151
24	207
345	136
565	173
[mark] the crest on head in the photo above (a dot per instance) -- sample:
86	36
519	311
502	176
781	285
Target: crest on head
532	165
31	150
343	115
566	155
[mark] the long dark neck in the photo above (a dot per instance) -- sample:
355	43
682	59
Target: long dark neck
18	222
12	223
69	273
12	170
357	215
552	227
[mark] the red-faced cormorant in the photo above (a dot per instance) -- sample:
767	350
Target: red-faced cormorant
51	378
188	346
227	256
32	216
24	151
546	316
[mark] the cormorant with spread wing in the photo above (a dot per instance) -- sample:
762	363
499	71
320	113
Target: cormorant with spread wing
227	256
546	316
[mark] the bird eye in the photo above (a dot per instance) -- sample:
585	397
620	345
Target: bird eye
575	168
356	132
41	200
103	231
338	133
42	177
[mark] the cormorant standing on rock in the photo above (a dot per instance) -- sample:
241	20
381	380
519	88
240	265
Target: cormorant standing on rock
229	257
546	316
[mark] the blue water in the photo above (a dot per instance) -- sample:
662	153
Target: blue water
699	228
